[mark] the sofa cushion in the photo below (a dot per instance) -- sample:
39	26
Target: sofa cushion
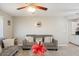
38	39
47	39
9	51
8	42
49	44
29	39
30	43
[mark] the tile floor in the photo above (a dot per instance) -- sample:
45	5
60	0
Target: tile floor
70	50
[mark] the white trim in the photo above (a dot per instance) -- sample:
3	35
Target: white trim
62	45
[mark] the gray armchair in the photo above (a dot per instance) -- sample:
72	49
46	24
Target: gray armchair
9	51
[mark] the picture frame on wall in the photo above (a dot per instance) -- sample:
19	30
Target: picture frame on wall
9	22
39	24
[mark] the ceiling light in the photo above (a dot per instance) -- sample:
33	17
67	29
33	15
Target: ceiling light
31	9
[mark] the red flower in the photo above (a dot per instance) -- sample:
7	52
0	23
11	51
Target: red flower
38	49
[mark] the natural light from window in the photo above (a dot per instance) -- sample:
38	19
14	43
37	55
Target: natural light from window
1	27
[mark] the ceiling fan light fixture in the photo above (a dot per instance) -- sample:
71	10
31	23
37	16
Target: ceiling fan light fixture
31	9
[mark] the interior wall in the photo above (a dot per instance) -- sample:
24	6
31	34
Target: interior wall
7	29
57	26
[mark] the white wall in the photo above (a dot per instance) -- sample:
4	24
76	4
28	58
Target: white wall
7	30
57	26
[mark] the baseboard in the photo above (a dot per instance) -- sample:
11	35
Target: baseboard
74	44
62	45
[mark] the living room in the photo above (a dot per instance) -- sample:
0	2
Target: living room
56	21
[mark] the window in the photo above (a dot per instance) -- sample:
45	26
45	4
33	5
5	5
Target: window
1	27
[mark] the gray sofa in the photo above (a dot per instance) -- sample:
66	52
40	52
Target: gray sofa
10	51
50	46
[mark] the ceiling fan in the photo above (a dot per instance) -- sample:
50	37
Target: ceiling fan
33	6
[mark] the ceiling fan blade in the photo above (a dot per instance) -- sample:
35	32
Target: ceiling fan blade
21	8
41	7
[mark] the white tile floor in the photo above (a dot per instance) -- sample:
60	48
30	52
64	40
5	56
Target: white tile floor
70	50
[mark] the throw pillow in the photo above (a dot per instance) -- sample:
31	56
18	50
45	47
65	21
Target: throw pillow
48	39
29	39
8	42
38	39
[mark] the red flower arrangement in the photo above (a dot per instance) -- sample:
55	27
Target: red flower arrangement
38	49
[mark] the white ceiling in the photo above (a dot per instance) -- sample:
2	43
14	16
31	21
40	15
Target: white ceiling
54	9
